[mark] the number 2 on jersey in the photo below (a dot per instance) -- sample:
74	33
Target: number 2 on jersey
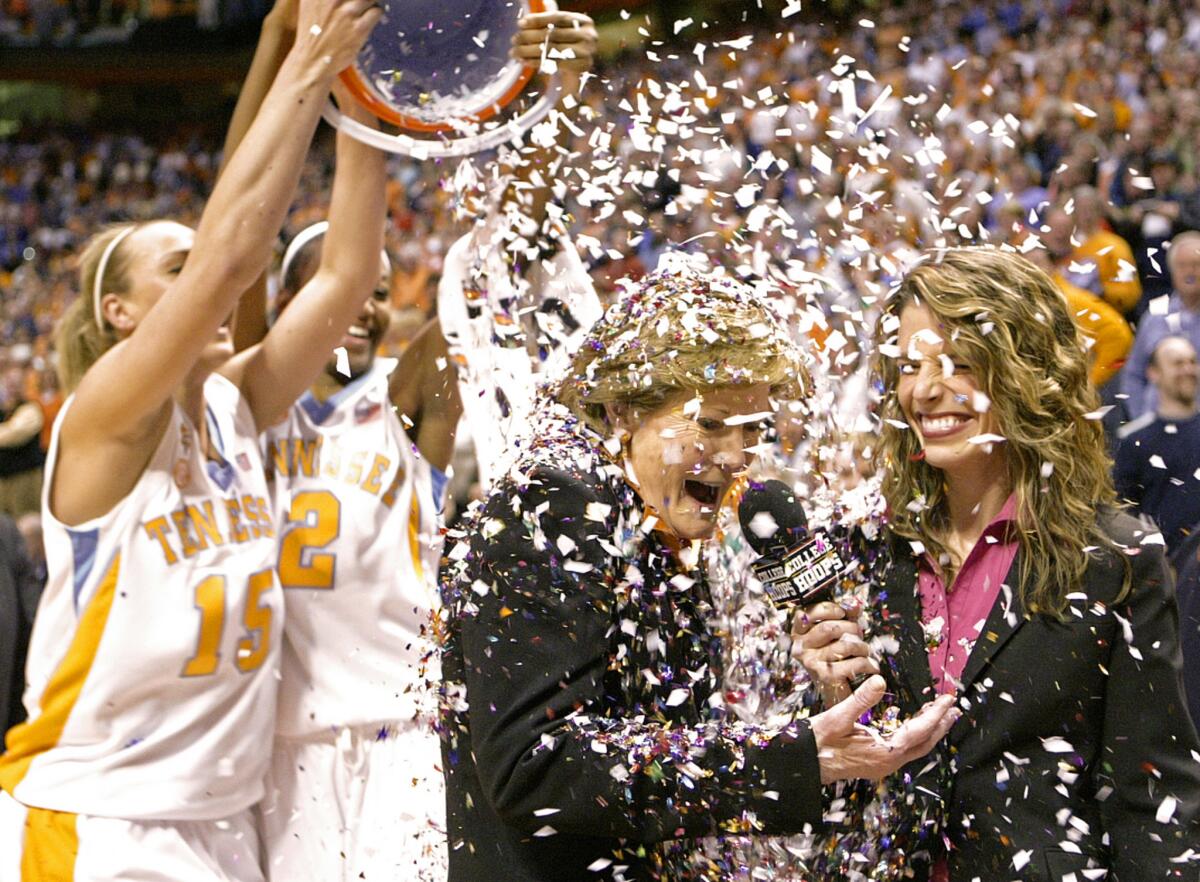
314	520
256	619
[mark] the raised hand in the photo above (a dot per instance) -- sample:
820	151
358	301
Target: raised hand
568	39
846	749
331	32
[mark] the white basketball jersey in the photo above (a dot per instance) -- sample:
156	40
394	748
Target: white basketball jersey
153	661
358	555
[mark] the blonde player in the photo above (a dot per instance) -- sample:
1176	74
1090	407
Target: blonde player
153	662
355	789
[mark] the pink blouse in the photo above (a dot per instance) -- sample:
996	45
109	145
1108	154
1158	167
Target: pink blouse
953	619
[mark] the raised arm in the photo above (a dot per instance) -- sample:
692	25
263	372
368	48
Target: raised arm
123	395
274	373
424	389
276	38
274	41
568	40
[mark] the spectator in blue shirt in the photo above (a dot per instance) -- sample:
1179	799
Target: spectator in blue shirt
1158	461
1182	319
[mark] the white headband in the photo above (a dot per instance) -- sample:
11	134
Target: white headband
98	281
302	238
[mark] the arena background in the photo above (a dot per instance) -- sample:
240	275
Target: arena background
961	113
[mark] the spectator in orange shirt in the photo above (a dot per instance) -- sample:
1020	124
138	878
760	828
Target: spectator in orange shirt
1111	336
1108	252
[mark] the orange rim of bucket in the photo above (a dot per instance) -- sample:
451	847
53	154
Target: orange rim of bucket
366	96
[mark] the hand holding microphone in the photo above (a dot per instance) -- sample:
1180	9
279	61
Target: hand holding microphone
828	641
799	568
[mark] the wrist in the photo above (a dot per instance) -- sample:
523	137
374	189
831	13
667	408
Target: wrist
276	25
308	70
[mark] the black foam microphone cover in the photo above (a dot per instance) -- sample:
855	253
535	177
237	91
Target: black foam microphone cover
771	517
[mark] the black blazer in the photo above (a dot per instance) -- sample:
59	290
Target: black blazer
1186	561
579	669
1075	734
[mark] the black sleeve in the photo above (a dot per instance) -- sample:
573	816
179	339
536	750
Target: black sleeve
1126	474
1150	753
25	577
536	659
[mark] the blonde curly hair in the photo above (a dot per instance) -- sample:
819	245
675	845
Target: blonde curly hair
681	330
1008	320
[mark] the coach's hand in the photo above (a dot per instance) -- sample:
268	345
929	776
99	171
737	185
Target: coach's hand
846	749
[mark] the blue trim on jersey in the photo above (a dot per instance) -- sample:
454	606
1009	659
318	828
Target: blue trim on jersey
83	552
222	473
320	411
438	481
214	431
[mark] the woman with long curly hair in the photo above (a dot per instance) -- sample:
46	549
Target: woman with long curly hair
1012	579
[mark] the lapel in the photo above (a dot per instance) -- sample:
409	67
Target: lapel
902	603
1006	616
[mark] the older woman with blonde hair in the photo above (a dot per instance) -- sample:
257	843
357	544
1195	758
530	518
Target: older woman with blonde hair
583	712
1014	582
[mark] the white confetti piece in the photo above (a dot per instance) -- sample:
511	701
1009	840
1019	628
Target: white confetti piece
596	511
1055	744
677	697
1166	810
820	161
986	438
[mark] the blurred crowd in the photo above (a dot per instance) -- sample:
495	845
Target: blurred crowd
105	22
823	158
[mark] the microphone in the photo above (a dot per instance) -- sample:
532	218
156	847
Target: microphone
796	566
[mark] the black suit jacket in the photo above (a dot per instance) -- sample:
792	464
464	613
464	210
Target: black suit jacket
20	589
1186	561
1076	733
580	733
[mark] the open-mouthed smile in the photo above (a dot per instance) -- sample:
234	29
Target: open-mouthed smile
706	493
942	425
